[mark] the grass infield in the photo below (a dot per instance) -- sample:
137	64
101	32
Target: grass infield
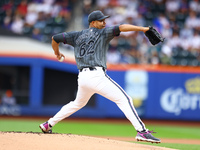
107	129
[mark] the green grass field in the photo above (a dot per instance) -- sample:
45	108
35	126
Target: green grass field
108	129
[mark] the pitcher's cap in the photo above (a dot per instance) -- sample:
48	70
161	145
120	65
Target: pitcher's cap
96	15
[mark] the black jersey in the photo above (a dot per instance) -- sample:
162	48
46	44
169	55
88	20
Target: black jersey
90	45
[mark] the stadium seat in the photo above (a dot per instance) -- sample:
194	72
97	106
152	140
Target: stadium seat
193	62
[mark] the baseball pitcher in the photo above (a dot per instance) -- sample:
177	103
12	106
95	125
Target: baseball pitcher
90	47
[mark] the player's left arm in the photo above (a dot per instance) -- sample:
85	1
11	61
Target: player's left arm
129	27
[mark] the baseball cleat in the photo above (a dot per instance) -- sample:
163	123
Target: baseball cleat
146	136
46	127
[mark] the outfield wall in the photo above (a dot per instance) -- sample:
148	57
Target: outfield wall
158	92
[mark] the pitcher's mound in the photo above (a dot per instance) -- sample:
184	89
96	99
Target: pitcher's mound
40	141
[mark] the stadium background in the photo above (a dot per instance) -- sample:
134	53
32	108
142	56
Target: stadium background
163	80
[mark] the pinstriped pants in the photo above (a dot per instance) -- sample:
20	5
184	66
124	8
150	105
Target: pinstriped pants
97	81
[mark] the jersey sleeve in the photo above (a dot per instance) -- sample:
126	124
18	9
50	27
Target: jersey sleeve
112	31
65	37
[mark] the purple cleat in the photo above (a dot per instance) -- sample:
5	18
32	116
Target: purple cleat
46	127
146	136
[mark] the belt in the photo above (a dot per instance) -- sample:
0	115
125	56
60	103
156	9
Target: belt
92	69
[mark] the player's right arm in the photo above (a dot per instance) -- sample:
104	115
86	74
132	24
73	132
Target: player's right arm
66	38
55	46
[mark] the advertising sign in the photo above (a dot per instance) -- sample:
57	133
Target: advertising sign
174	96
136	86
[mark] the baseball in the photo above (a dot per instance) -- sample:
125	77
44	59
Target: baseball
61	59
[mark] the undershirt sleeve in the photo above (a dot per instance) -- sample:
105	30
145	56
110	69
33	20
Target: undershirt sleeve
65	37
116	31
59	38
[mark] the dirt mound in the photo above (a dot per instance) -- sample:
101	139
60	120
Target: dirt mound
40	141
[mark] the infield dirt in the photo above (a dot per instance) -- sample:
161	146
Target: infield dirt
40	141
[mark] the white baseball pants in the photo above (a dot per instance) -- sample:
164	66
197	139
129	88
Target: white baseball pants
97	81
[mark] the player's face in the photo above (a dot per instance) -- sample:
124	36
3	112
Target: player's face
100	24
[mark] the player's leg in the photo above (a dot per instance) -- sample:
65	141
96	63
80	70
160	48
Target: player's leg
81	100
82	97
112	91
115	93
68	109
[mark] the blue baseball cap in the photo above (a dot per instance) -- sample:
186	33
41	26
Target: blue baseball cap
96	15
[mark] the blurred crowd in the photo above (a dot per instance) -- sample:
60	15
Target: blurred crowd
178	21
38	19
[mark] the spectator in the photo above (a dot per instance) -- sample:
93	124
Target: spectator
8	98
8	6
37	34
32	14
8	19
8	9
184	8
166	50
56	8
139	20
66	10
154	59
194	5
45	7
175	40
195	43
17	25
172	6
192	21
87	8
186	32
22	8
41	22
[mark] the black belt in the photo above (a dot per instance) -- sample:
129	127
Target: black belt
91	69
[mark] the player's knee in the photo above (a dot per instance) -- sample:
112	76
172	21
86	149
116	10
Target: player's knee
80	104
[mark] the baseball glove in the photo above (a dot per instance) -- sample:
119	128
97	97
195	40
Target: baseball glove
154	36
